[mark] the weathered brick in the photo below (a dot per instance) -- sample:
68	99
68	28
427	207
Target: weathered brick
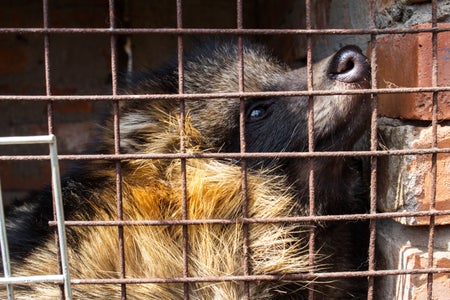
12	59
382	4
73	107
20	14
24	175
414	1
406	61
405	182
289	15
402	247
81	13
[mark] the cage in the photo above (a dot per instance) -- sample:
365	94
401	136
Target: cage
64	65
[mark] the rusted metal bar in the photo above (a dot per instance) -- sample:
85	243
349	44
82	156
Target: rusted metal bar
373	159
243	146
284	277
232	155
221	31
223	95
116	130
434	144
50	127
294	219
184	198
311	179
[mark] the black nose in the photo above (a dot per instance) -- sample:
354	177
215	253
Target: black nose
349	65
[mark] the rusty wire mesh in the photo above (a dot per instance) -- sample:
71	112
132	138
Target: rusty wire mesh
180	32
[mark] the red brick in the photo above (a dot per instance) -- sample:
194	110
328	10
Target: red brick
76	107
12	59
57	90
20	14
405	248
406	61
25	175
405	181
413	1
81	13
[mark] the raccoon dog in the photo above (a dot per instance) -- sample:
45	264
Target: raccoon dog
152	188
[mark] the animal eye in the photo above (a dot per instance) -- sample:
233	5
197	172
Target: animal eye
258	111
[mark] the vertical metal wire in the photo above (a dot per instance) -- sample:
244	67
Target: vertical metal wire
184	200
243	147
434	144
373	147
311	184
48	89
116	121
48	92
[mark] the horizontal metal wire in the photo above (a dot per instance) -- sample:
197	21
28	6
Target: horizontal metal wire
232	155
299	219
225	31
223	95
284	277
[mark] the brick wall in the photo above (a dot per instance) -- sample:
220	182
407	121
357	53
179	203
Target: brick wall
405	182
79	65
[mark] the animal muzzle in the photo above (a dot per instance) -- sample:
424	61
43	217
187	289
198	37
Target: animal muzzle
349	65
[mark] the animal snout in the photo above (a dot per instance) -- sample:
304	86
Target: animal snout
349	65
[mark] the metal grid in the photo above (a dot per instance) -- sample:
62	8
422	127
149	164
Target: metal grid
180	32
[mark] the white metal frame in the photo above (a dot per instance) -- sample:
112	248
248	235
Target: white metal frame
56	187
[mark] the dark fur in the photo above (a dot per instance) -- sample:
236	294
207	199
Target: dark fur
338	181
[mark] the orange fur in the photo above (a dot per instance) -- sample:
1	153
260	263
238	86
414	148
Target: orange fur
213	192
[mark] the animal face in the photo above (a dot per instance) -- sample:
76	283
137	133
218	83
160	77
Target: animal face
272	124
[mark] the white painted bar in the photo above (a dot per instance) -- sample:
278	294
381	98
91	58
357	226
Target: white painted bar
4	248
32	279
38	139
56	187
